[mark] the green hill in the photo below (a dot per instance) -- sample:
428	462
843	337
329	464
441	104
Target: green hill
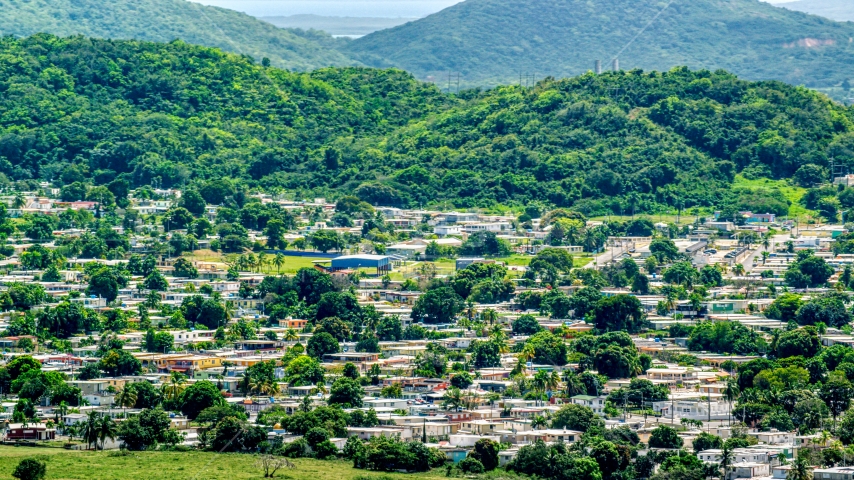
176	114
839	10
493	41
167	20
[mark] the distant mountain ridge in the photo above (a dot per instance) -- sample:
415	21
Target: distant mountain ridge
166	20
839	10
494	41
350	26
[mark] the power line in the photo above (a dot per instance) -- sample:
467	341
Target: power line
643	30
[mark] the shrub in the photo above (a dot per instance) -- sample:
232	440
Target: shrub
471	465
30	469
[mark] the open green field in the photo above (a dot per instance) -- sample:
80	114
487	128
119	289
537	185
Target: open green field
290	267
792	193
64	464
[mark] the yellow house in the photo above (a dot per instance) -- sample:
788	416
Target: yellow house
193	363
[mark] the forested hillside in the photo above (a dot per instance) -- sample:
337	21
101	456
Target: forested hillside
494	41
172	114
167	20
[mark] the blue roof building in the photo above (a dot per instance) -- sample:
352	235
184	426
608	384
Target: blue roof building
382	263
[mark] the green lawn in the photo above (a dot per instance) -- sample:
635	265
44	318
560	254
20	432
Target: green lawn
63	464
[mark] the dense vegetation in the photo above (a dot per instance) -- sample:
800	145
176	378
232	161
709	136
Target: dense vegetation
479	39
102	112
167	20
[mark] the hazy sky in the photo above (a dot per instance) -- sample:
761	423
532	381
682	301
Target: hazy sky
342	8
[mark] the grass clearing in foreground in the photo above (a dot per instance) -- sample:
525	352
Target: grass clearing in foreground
73	465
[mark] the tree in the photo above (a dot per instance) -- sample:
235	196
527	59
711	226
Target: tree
271	464
116	363
485	243
325	240
802	341
461	380
346	392
575	417
389	328
146	430
485	354
616	362
705	441
800	470
177	218
334	326
105	282
193	202
619	313
584	301
439	305
836	393
548	349
204	311
304	370
663	249
526	325
664	437
471	465
322	343
827	309
30	469
199	396
155	281
275	233
183	268
486	452
809	272
845	432
785	307
147	396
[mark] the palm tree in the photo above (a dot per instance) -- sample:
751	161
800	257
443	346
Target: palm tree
107	428
62	411
89	431
500	341
71	431
126	398
290	335
278	261
470	310
262	261
553	382
453	398
731	393
801	470
489	316
573	383
765	255
738	269
782	458
19	201
727	458
175	386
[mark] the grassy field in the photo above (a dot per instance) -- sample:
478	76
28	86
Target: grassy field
792	193
63	464
291	266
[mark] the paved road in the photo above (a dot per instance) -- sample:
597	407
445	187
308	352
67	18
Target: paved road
757	254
